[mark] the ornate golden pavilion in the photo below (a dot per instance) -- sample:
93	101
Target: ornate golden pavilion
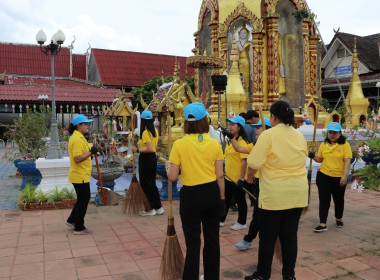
278	57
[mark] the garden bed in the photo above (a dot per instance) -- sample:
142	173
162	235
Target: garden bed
63	204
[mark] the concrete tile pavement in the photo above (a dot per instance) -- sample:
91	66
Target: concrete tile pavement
38	245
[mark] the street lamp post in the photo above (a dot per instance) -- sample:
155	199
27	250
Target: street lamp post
53	49
378	87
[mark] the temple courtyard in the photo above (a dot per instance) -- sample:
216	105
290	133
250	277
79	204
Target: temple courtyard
38	245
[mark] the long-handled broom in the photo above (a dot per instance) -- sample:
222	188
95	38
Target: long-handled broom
135	199
172	261
304	210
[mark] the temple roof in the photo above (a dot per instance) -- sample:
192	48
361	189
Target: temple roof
367	46
133	69
24	90
22	59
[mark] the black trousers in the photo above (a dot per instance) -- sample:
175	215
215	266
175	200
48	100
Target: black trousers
231	188
328	186
80	207
147	174
254	224
200	205
282	223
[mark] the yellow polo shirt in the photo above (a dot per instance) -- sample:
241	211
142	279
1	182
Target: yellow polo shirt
147	137
196	155
280	154
233	160
249	148
79	172
333	158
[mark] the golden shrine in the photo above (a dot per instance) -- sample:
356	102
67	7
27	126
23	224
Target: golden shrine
265	49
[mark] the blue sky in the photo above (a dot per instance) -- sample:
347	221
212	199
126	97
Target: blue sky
163	27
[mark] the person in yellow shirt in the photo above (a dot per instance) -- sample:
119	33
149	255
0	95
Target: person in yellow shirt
335	155
235	168
80	154
280	154
254	188
148	164
200	159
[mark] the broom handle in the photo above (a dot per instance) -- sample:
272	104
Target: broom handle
314	133
262	118
133	154
100	179
170	187
244	189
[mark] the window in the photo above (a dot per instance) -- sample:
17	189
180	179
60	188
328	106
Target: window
341	52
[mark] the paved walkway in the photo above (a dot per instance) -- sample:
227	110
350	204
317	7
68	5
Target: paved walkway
38	245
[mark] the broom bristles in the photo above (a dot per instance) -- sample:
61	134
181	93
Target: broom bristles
172	261
135	199
278	250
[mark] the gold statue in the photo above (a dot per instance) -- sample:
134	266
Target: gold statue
244	46
177	107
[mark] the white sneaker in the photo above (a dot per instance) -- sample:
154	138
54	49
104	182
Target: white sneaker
221	224
238	226
244	245
160	211
149	213
202	277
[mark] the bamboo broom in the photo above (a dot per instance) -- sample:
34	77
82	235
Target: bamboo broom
277	246
135	198
311	160
172	261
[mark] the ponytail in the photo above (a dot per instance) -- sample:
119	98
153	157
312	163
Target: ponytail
282	111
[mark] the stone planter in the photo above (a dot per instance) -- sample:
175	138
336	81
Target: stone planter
108	174
63	204
164	192
30	174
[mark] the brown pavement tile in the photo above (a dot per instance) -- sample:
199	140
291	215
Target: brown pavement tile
92	271
6	261
111	248
144	253
153	274
327	270
107	240
27	269
370	274
8	243
149	263
68	274
89	261
7	252
369	259
85	251
136	245
58	255
57	246
29	258
117	257
350	264
122	267
59	265
131	237
5	271
37	276
242	258
306	273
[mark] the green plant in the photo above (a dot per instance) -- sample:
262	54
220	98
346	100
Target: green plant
28	194
41	196
301	14
68	193
370	175
28	133
56	194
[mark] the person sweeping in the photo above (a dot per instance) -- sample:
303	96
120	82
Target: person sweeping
80	153
236	168
280	154
148	164
200	160
253	229
335	155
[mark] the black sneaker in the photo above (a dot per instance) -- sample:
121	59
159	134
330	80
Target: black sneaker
320	228
288	278
339	224
255	276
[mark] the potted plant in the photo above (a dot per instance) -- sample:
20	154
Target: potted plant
28	132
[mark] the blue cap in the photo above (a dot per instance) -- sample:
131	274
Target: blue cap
334	126
196	110
147	115
238	119
266	122
80	119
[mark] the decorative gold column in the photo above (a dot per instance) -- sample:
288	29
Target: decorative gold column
313	44
258	76
273	63
306	58
214	42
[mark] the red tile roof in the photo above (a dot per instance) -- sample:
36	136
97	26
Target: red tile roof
29	60
25	90
133	69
